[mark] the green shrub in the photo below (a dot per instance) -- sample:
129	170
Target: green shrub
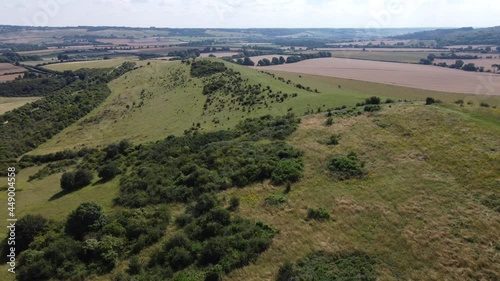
389	101
346	167
372	108
429	101
483	104
276	200
334	139
372	100
234	203
329	121
318	214
287	171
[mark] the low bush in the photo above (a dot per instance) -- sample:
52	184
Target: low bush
334	139
347	167
276	200
372	108
287	171
372	100
318	214
75	180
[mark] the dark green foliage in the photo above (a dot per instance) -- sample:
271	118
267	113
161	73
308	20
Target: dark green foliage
27	228
234	203
59	256
322	266
269	127
35	87
483	104
212	242
134	266
276	200
372	108
346	167
75	180
180	169
318	214
201	68
334	139
372	100
52	168
287	171
27	127
329	121
185	54
429	101
87	217
109	171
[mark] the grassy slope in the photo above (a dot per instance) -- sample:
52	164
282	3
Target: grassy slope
171	111
419	210
90	64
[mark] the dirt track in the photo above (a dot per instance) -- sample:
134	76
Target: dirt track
407	75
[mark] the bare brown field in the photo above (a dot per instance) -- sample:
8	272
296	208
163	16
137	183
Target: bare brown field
384	49
8	104
486	63
407	75
9	68
10	77
219	54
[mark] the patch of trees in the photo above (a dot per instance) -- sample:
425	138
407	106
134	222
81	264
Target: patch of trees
13	57
180	169
74	180
274	61
330	266
245	61
201	68
458	36
25	128
88	242
20	47
185	54
269	127
229	91
211	243
301	57
35	87
215	49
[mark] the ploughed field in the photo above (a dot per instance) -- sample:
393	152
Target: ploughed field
407	75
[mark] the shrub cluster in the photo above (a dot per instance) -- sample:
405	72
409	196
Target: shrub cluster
318	214
75	180
347	167
329	266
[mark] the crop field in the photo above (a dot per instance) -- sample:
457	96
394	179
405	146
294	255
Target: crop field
89	64
407	75
8	104
9	68
380	55
8	77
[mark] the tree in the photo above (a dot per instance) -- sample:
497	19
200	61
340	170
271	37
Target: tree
248	61
373	100
470	67
495	67
459	63
27	228
87	217
287	171
266	62
109	171
431	57
74	180
275	61
282	60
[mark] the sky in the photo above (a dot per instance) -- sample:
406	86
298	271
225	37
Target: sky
253	13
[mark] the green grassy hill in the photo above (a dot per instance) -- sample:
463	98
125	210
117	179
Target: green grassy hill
426	209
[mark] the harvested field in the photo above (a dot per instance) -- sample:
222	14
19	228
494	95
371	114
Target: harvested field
89	64
407	75
219	54
395	56
9	77
10	68
8	104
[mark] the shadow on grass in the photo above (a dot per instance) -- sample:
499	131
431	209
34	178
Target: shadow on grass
61	194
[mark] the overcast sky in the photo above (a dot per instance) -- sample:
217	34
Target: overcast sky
253	13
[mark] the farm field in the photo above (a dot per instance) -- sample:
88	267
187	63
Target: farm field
377	55
407	75
9	68
8	77
8	104
269	57
89	64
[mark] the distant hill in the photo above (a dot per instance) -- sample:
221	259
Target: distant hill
458	36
